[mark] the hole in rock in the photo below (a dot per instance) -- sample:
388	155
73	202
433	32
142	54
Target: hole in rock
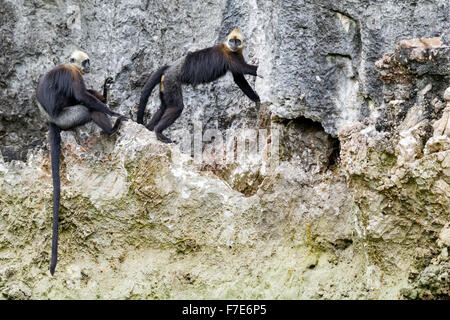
305	143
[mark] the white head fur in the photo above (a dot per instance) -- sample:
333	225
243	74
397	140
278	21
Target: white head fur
235	40
81	60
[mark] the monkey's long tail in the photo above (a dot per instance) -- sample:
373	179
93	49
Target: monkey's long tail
55	148
154	79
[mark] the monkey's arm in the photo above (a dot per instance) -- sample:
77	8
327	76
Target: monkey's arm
250	69
90	101
245	87
98	95
242	66
103	98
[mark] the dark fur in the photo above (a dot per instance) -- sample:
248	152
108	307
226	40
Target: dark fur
64	87
212	63
154	79
201	66
55	149
59	89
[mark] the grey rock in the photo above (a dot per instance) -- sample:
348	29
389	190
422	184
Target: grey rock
317	59
356	208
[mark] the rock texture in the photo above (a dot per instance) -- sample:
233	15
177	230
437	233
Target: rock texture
350	201
141	220
400	176
317	57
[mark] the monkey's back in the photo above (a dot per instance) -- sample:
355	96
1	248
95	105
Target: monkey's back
55	89
204	65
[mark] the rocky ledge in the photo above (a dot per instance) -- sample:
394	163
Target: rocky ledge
364	215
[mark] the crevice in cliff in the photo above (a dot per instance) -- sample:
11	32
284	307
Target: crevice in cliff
305	143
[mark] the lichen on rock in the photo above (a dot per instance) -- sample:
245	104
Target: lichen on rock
346	198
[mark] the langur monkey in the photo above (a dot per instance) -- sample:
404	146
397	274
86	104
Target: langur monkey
66	103
196	67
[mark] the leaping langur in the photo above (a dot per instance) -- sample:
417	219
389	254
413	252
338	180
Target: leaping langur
196	67
66	103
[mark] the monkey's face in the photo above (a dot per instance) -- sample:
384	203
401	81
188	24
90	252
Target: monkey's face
235	40
81	59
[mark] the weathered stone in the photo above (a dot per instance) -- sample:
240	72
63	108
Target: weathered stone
447	94
361	216
317	59
399	177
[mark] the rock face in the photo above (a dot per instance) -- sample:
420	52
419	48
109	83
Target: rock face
317	59
346	198
399	174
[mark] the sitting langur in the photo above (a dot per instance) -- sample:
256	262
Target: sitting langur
66	103
196	67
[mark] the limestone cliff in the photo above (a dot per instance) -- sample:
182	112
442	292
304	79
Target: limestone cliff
347	198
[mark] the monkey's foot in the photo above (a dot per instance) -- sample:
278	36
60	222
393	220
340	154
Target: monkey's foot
113	132
118	115
163	138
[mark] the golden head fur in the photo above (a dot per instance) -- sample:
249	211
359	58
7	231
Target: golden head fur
80	60
235	40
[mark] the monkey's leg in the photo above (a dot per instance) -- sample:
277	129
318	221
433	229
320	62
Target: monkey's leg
106	86
170	115
158	114
55	149
93	104
98	95
104	123
173	103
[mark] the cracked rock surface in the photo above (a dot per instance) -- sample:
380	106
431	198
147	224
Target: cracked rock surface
355	96
317	57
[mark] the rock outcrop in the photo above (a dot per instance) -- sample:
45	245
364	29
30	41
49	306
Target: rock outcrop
317	57
399	174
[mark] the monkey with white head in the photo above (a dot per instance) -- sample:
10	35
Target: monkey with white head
66	104
197	67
